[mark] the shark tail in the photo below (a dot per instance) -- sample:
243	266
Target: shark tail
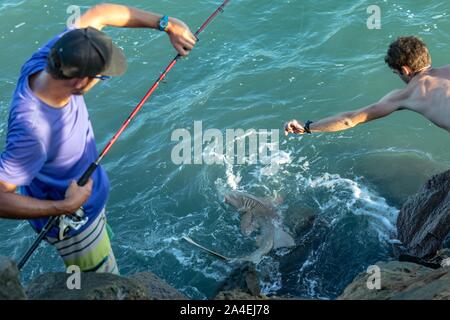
217	255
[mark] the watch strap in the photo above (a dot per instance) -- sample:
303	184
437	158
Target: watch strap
306	126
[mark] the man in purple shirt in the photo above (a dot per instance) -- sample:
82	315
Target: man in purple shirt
50	140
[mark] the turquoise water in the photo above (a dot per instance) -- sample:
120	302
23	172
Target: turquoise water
257	66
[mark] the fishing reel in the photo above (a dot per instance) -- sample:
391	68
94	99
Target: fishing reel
73	222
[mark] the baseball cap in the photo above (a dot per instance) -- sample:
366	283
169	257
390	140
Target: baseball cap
87	52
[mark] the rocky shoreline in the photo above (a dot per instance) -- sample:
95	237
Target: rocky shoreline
420	271
98	286
94	286
402	281
422	268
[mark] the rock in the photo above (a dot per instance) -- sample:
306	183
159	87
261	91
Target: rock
102	286
243	284
301	218
10	286
252	282
402	281
238	294
446	243
297	256
243	281
156	288
424	220
94	286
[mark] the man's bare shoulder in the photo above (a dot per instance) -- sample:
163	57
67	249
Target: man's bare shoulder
398	96
427	85
401	99
428	93
445	70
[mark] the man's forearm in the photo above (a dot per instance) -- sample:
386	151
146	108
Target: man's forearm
117	15
339	122
346	120
14	206
122	16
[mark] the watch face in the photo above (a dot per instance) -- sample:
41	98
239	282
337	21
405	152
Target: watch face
163	23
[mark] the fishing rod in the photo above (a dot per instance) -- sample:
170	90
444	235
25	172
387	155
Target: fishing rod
77	219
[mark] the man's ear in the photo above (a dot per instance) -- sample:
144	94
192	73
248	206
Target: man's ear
406	71
80	83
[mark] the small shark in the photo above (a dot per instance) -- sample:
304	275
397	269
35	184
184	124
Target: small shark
259	214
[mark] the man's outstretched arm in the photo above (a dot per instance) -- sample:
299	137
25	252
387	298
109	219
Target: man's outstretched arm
14	206
346	120
115	15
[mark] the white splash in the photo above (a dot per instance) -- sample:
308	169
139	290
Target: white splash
357	199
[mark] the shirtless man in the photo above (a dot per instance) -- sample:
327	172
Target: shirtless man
427	92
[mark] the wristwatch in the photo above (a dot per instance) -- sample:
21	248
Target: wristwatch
163	23
306	126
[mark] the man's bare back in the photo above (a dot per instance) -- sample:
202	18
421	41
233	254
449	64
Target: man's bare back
429	95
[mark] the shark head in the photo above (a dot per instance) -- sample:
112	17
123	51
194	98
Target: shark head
239	201
259	214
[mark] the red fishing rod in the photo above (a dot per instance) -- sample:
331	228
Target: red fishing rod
76	218
147	96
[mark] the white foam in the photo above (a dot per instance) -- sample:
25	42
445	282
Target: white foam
233	180
342	193
270	276
8	4
275	161
20	25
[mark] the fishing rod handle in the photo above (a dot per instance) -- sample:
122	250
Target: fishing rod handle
87	174
45	230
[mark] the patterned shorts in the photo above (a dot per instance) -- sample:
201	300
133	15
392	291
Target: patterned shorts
90	250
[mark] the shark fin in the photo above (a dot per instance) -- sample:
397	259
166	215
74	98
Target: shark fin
246	224
282	239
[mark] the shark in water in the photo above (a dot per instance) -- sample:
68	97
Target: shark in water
259	215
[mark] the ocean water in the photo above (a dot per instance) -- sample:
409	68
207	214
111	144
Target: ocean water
257	65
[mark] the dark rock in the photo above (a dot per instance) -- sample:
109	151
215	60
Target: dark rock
402	281
302	221
10	286
243	284
156	288
422	262
94	286
252	282
102	286
242	281
424	221
297	256
446	243
238	294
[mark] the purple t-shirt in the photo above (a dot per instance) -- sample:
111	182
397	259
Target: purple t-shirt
47	148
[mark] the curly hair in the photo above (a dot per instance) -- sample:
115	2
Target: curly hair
408	51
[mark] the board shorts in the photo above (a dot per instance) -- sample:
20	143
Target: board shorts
90	250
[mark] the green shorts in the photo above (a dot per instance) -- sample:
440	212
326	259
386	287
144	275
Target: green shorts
90	250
